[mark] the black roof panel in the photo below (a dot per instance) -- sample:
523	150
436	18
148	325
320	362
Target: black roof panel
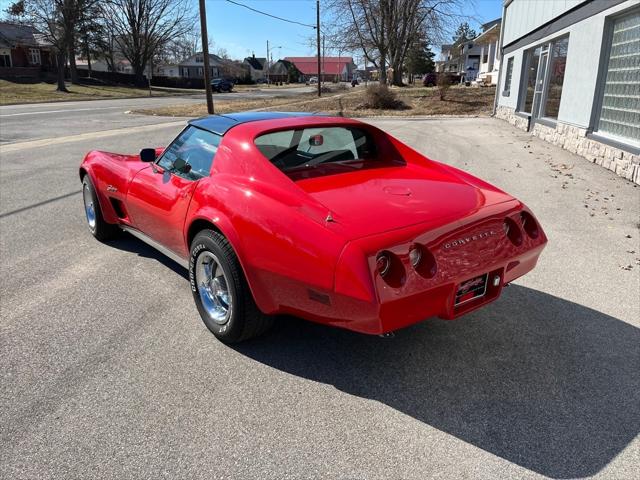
220	124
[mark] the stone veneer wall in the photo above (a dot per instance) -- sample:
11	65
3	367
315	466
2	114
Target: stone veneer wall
574	139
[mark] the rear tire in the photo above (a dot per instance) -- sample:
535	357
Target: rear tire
221	292
100	229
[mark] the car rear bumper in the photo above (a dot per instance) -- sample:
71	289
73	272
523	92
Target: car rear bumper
376	317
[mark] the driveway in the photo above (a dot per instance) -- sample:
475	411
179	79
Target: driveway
108	369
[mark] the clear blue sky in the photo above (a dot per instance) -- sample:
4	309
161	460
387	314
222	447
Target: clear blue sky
242	32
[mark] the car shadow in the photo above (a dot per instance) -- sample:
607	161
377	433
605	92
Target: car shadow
542	382
128	243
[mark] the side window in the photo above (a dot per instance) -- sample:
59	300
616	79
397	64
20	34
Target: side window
196	147
506	91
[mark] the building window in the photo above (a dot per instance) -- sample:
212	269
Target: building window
543	77
199	59
5	58
620	111
200	72
34	56
557	65
185	72
507	78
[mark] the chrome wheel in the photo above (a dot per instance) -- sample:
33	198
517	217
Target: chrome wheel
89	207
213	288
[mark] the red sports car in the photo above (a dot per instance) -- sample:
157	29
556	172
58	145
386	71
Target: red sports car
325	218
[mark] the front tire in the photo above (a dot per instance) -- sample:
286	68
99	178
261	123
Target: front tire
221	292
100	229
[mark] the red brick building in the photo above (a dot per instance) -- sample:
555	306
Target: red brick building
24	52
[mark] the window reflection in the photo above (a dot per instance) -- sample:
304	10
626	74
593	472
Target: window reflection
556	77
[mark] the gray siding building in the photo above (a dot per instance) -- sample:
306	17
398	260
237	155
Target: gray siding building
571	75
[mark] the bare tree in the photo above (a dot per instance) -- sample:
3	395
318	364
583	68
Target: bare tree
58	20
384	30
53	19
143	27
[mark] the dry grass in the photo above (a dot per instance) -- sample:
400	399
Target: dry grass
226	106
13	93
465	101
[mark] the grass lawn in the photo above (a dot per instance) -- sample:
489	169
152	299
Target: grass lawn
12	93
460	100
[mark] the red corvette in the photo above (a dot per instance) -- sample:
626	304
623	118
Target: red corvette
325	218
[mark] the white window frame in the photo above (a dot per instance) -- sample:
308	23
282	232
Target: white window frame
34	56
6	52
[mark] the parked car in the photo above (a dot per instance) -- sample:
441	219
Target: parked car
261	81
220	85
326	218
312	81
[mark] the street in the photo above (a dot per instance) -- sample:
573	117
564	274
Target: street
108	371
50	120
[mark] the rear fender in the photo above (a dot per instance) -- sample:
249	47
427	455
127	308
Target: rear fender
224	226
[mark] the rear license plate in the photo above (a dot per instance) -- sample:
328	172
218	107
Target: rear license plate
471	289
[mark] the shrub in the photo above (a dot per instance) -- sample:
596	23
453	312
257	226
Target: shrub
381	97
444	82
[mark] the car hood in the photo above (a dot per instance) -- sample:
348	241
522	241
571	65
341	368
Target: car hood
376	200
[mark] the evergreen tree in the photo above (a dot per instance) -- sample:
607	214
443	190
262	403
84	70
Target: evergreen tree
464	33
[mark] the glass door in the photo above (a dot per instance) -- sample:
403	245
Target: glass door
541	79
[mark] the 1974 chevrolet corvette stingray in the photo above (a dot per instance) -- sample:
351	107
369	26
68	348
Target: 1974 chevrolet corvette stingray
325	218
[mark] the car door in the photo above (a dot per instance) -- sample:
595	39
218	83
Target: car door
159	196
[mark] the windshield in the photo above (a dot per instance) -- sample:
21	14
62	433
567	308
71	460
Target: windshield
310	147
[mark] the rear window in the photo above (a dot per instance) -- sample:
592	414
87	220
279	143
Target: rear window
310	147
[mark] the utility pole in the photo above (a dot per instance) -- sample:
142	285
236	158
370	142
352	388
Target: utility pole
267	65
205	55
318	44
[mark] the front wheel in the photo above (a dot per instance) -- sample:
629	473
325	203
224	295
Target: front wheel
221	292
100	229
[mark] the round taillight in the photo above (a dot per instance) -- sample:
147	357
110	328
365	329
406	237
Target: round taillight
383	263
427	266
512	231
529	225
415	255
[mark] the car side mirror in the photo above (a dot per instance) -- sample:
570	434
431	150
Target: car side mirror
148	155
181	165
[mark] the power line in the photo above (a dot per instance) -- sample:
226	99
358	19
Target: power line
270	15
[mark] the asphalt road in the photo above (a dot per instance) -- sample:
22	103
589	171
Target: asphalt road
48	120
108	372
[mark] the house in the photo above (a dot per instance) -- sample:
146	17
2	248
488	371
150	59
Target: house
167	70
283	71
489	43
449	58
571	76
24	52
332	68
193	67
256	67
